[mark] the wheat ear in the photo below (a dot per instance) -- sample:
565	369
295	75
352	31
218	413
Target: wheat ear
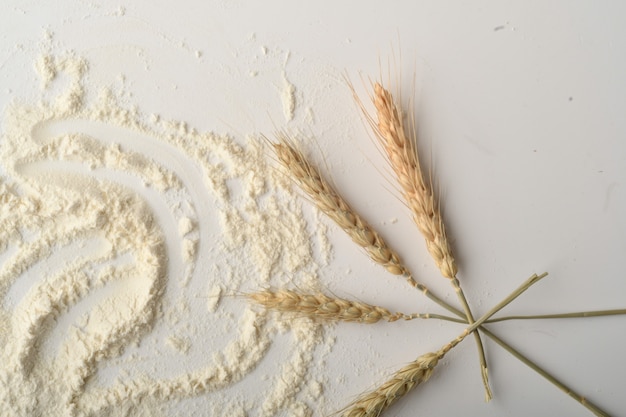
321	306
334	206
402	154
374	403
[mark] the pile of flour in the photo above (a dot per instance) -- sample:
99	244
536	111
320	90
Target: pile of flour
126	243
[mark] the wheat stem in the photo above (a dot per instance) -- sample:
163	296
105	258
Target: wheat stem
439	317
475	325
374	403
479	343
532	365
541	371
432	296
485	318
578	314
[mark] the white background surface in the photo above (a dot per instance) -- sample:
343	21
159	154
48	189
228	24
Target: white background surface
520	107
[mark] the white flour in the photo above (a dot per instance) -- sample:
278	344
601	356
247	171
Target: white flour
288	96
125	242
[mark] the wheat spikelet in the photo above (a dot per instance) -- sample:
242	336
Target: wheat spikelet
374	403
402	154
334	206
321	306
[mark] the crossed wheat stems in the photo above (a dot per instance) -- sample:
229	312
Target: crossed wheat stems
398	142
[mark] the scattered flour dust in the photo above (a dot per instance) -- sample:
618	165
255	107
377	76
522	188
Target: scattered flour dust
288	97
126	242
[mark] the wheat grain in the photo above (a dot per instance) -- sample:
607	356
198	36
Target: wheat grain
321	306
328	200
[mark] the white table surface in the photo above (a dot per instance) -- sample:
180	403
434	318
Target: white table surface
520	107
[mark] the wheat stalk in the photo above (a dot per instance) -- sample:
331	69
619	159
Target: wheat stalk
322	307
584	401
572	315
401	150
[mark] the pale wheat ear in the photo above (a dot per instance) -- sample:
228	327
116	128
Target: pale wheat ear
374	403
319	306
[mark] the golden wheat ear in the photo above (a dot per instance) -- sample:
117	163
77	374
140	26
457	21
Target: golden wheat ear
329	201
401	151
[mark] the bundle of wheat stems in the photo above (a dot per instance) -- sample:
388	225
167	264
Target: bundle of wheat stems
399	145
